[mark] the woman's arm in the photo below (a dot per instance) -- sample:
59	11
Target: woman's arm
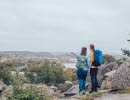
87	63
76	54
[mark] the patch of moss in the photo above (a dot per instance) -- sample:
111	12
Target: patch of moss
92	96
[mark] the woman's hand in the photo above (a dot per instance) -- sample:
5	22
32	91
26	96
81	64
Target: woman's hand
88	70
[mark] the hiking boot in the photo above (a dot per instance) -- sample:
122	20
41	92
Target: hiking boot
98	86
91	91
95	90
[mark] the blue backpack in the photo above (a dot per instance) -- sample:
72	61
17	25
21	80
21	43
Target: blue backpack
97	58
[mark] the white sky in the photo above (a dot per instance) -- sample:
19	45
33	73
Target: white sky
64	25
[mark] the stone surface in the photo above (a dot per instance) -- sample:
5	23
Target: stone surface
75	82
121	78
3	98
8	90
114	97
105	69
106	82
53	88
2	86
64	87
72	91
110	73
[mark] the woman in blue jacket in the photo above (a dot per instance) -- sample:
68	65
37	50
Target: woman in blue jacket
82	67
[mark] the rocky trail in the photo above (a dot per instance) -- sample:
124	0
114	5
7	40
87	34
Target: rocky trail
106	96
114	97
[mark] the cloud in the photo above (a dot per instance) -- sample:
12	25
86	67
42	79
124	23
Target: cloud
63	25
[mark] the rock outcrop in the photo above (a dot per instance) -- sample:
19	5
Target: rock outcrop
105	69
121	78
106	83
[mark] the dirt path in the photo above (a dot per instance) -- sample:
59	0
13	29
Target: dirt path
114	97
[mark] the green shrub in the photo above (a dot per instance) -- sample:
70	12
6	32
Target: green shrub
41	73
108	58
59	74
6	76
5	71
27	94
18	80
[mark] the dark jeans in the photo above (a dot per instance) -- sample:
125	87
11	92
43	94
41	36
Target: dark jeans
94	82
82	74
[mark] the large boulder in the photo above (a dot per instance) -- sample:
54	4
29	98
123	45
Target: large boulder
105	69
118	79
64	87
106	83
121	78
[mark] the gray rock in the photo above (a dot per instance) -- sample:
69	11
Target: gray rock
72	91
53	88
121	78
110	73
64	87
103	84
105	69
75	82
106	83
2	86
3	98
118	79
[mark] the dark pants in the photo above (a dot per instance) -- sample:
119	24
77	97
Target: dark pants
93	73
82	74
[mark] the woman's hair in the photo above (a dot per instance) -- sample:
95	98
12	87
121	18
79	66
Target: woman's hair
83	51
92	46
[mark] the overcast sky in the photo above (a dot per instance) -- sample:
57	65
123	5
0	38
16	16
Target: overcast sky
64	25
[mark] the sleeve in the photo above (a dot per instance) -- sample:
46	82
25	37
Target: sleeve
87	63
91	57
76	55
